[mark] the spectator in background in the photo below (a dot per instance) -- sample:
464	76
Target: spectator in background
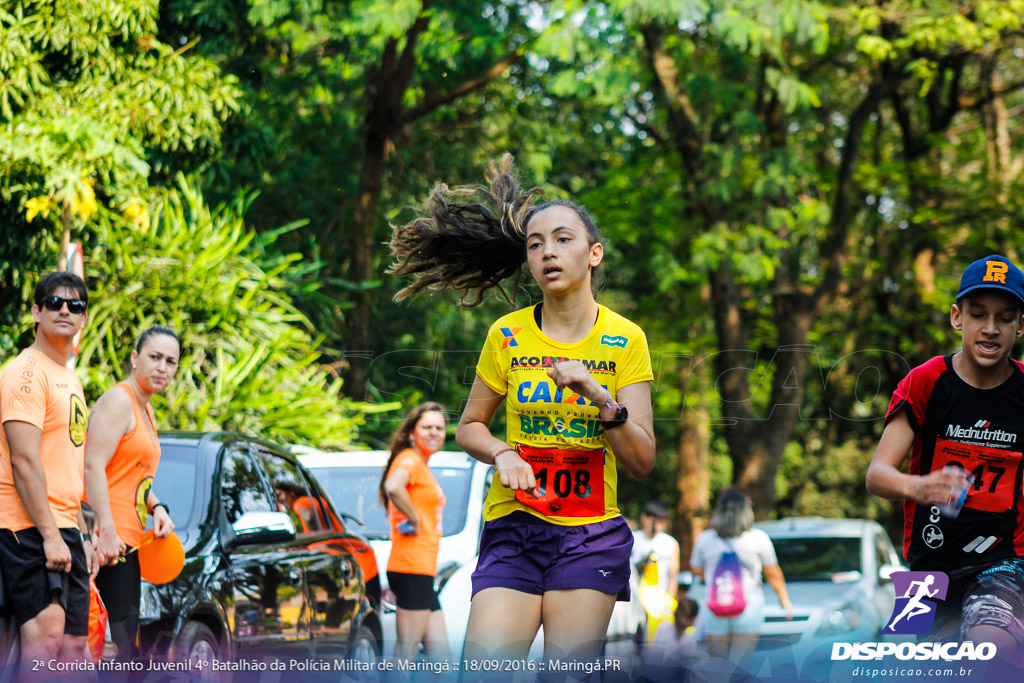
316	515
674	649
682	636
45	550
415	504
120	461
651	539
292	496
735	638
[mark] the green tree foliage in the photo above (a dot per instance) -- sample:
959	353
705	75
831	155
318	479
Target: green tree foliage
353	109
777	117
251	359
789	189
92	109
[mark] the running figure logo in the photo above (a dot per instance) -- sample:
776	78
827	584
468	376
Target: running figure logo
916	593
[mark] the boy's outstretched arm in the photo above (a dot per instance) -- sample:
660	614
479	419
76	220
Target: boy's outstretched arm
885	480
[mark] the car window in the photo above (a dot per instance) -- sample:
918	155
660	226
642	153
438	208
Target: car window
356	490
488	478
241	488
176	481
329	519
291	491
882	550
817	558
454	482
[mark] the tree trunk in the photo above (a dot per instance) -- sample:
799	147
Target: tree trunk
65	238
363	229
692	470
757	442
793	316
385	118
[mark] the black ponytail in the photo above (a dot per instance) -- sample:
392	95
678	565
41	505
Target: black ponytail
465	245
152	332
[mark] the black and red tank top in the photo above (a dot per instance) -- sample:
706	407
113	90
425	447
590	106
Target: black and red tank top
981	430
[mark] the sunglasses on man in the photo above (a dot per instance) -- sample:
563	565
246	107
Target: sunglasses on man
55	303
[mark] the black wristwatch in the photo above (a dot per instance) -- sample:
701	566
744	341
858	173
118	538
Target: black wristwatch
162	505
86	537
620	418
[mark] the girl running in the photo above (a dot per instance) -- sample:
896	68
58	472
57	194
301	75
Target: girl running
121	456
575	378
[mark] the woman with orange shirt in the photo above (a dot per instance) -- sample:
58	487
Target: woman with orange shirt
415	502
121	456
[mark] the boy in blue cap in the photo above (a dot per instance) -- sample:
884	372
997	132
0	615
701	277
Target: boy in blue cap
959	415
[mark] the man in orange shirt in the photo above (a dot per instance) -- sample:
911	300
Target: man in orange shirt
43	544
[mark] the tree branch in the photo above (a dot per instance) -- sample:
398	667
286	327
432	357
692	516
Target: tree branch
941	114
646	127
842	205
472	85
407	62
981	101
912	147
682	117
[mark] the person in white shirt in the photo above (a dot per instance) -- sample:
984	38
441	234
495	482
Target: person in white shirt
651	539
731	530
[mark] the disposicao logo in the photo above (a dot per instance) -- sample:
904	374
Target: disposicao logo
916	596
510	336
914	613
613	340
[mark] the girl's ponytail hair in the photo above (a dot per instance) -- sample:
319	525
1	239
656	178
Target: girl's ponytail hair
469	238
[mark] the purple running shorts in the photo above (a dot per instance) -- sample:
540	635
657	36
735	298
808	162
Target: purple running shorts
527	554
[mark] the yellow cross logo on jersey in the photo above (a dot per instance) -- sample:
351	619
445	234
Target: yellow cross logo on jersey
510	336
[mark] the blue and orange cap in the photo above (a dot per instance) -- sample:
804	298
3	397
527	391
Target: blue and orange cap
993	272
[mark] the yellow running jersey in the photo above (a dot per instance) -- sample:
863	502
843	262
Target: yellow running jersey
515	362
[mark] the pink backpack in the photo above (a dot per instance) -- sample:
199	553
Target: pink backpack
726	598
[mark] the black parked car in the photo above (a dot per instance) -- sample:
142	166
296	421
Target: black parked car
257	582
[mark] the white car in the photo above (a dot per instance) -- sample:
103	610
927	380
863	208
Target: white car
352	480
837	576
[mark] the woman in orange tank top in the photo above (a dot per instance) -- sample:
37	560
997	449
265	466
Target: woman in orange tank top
121	456
415	503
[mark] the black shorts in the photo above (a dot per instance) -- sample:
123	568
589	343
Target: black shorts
120	587
993	597
414	591
31	586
